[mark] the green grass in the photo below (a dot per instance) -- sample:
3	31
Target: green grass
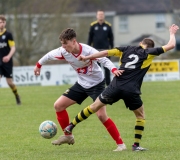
20	139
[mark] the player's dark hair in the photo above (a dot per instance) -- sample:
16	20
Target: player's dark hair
100	10
2	17
148	42
67	34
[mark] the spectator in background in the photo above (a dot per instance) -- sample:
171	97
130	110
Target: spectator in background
7	49
101	37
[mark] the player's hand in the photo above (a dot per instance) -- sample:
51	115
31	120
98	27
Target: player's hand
6	59
173	29
37	71
82	58
118	72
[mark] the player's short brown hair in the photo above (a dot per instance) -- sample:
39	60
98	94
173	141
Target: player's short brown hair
67	34
100	10
148	42
2	17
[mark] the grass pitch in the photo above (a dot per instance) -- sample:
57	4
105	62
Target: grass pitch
20	139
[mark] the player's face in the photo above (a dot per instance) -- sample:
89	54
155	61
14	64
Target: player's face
69	45
2	24
100	16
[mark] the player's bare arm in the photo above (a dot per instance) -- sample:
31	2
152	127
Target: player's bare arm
8	57
98	55
93	56
172	40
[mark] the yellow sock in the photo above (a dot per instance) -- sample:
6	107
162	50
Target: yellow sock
139	128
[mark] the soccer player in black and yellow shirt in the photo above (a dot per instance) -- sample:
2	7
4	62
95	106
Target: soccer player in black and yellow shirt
135	61
7	49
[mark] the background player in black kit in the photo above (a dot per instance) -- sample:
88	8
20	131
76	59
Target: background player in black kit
101	37
135	61
7	49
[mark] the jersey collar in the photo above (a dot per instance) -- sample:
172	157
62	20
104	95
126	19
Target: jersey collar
80	50
3	31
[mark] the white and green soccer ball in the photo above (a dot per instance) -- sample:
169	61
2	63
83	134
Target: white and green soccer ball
48	129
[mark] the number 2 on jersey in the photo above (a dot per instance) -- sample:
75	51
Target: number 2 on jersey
131	64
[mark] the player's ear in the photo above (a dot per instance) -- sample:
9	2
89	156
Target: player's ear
74	41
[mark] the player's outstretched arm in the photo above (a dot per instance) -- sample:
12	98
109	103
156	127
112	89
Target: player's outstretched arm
93	56
172	40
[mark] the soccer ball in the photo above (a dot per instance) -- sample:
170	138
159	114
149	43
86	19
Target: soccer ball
48	129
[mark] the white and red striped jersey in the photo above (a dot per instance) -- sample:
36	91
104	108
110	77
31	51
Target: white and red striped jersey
89	72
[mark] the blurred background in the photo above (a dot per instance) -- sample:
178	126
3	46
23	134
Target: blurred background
36	24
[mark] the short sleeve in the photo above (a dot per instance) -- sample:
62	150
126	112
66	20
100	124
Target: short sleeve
10	40
155	51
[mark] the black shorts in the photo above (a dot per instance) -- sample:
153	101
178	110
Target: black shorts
113	94
79	94
6	70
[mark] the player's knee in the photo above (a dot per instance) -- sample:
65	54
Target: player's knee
102	116
57	107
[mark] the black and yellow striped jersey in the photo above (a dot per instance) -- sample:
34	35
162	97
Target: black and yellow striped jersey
135	61
6	42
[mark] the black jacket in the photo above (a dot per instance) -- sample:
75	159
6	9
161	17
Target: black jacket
101	36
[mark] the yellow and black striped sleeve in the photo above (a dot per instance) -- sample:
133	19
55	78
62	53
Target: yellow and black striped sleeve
115	52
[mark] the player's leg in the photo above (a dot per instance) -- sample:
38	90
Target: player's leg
134	103
69	97
139	128
14	90
111	128
60	107
84	114
94	92
63	119
7	71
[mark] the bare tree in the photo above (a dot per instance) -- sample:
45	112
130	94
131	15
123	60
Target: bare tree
36	25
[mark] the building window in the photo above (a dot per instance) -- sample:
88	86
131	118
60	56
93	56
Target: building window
123	23
160	22
34	26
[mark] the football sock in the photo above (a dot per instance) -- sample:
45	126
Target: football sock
139	128
63	119
14	90
113	131
85	113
